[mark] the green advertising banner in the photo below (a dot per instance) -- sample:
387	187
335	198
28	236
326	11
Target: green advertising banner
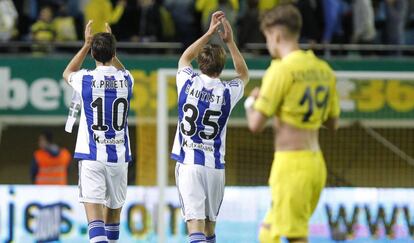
369	89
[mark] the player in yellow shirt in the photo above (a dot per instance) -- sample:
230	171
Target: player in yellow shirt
102	11
299	90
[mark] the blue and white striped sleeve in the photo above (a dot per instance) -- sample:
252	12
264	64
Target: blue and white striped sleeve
128	74
236	87
75	80
184	74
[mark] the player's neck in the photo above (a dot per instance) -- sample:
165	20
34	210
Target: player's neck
212	76
103	64
288	48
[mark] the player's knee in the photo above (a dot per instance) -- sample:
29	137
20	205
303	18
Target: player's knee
265	235
112	215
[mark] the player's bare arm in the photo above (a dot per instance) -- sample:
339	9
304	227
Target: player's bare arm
331	124
256	120
192	51
76	62
115	61
238	60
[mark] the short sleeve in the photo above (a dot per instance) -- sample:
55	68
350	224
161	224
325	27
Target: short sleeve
75	80
334	106
275	84
131	78
236	87
184	74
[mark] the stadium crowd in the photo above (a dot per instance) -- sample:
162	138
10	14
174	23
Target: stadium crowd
325	21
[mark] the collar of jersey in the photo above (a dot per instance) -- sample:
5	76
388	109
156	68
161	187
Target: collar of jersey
296	53
208	79
105	68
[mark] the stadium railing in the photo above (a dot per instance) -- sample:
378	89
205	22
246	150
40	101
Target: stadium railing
175	47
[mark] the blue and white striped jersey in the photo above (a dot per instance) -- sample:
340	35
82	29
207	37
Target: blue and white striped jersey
204	107
103	128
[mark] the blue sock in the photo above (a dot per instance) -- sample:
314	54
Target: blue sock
211	239
197	237
112	231
97	232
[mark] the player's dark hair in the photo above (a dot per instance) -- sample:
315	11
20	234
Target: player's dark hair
48	135
211	60
285	15
103	47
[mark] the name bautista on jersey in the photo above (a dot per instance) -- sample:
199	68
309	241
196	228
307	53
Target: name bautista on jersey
204	96
109	84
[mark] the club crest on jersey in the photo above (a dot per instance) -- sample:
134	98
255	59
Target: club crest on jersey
109	82
106	141
204	95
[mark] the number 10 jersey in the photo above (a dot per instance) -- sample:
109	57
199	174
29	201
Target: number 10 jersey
103	128
204	107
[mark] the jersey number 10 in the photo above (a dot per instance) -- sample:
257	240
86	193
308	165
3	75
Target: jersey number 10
100	126
318	97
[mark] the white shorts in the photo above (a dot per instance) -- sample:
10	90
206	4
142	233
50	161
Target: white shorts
201	191
103	184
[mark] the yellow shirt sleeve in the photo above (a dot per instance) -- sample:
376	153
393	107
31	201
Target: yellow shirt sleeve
334	107
275	84
116	14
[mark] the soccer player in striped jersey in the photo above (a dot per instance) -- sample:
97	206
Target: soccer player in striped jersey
102	145
204	106
299	90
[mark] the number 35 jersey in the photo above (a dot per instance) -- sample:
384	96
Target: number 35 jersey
103	128
204	107
300	90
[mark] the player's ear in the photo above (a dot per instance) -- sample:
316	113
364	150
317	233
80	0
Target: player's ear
277	36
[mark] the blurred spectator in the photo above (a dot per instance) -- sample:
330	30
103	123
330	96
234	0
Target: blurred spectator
8	17
333	10
167	23
248	25
312	14
101	12
363	22
43	29
74	10
186	20
43	32
395	14
50	163
207	7
144	21
265	5
64	25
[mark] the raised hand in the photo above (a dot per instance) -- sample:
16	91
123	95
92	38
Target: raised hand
88	34
227	34
215	22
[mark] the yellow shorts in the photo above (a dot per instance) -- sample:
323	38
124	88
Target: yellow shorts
296	180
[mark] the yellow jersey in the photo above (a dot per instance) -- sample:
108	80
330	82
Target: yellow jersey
101	12
300	90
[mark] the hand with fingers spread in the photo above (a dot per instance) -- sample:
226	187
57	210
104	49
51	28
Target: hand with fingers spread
215	22
88	34
227	35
